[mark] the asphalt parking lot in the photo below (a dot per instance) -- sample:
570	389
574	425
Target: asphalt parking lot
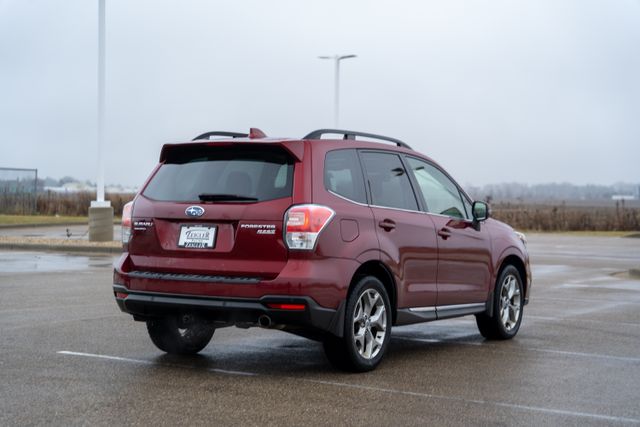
68	356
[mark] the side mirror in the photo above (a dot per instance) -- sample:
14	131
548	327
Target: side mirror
480	211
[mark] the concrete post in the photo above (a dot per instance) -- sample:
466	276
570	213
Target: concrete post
100	223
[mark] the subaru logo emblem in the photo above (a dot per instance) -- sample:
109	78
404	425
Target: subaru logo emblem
194	211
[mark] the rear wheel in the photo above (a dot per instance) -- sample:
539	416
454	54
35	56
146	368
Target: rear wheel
508	297
180	334
367	328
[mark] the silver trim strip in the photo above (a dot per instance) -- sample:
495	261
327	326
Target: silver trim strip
399	209
347	199
422	309
447	307
420	212
395	209
460	306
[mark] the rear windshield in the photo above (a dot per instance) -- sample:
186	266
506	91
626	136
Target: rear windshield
195	174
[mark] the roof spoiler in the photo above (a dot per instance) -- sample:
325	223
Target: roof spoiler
254	133
293	147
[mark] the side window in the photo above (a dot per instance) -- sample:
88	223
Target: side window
467	205
388	181
440	193
343	176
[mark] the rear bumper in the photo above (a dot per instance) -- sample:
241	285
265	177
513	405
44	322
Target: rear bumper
321	284
233	311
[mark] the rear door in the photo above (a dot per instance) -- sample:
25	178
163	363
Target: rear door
407	236
215	210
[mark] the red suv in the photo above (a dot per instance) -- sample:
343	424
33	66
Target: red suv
332	239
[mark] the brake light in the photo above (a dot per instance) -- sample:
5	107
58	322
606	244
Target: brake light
292	307
126	223
303	225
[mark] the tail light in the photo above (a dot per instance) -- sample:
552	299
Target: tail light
303	224
126	223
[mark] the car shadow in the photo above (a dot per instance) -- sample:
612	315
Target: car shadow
294	356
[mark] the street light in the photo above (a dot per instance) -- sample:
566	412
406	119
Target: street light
101	104
336	107
101	211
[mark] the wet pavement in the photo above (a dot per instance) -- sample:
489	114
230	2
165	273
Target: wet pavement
50	262
70	232
68	356
68	238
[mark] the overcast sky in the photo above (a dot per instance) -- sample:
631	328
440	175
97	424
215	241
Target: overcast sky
496	91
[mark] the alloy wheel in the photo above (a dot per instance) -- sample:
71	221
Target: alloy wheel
510	302
369	324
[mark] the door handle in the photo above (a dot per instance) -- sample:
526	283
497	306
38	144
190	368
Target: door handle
387	224
445	233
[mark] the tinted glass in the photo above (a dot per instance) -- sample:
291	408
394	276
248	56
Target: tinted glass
467	205
388	181
264	173
343	176
440	193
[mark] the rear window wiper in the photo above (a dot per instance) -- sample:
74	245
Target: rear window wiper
226	198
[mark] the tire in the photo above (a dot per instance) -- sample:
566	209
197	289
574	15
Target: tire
508	298
180	335
367	328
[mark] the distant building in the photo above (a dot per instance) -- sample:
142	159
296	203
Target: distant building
80	187
624	197
71	187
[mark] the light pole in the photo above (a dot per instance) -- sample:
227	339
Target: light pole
336	106
101	101
100	211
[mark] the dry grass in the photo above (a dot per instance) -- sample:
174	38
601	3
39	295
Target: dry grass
51	204
77	204
10	220
533	217
567	218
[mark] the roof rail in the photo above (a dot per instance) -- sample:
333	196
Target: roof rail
207	135
350	134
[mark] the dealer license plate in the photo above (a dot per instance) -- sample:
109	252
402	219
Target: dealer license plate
197	237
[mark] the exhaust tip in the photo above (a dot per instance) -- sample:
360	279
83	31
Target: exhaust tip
264	321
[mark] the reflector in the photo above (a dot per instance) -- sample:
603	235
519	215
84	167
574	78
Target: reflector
279	306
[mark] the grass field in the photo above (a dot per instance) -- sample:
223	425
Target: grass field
563	218
37	220
11	220
615	217
51	204
587	233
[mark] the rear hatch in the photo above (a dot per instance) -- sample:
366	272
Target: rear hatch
214	210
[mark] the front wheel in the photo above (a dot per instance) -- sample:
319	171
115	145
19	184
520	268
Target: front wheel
180	334
367	328
508	298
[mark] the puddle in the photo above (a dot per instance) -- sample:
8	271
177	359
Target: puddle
539	270
43	262
616	284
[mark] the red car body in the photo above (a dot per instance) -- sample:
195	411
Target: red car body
433	266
